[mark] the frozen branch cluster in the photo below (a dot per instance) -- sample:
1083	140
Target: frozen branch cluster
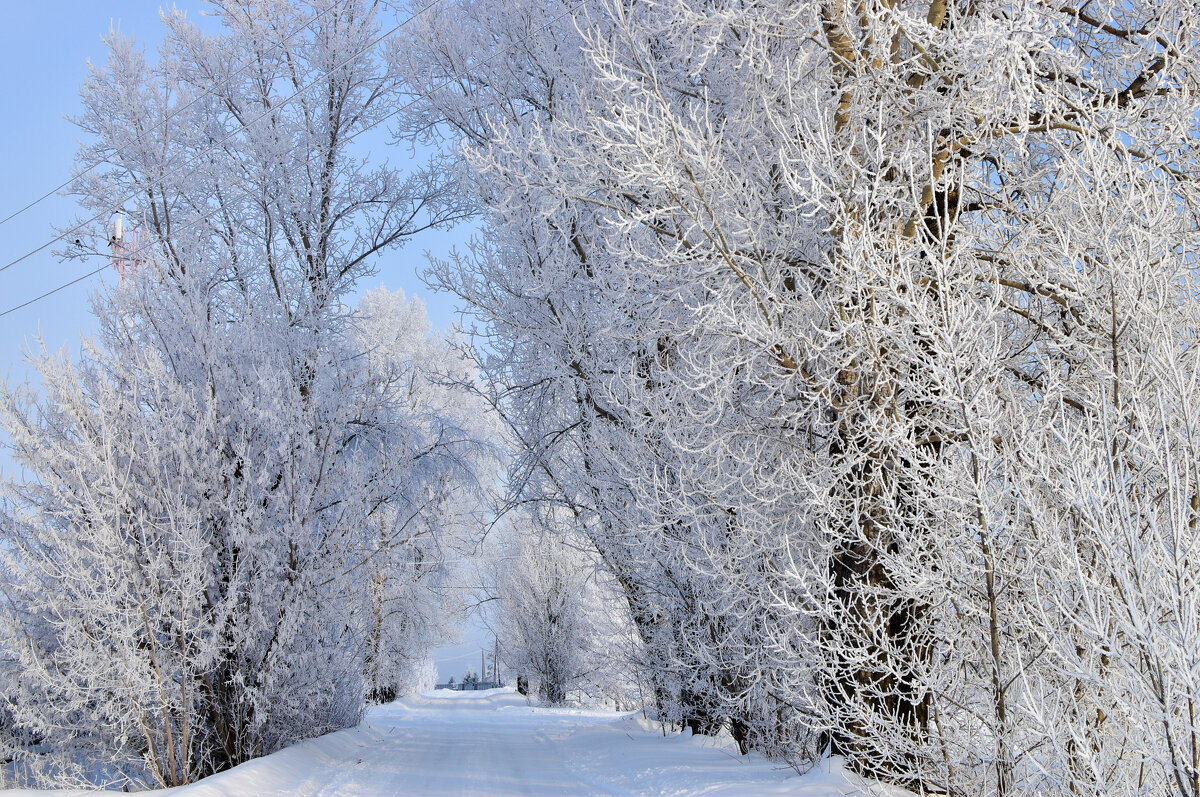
858	339
231	528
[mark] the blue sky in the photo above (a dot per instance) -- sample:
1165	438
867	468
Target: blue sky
44	49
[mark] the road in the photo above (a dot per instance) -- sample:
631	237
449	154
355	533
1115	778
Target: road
457	743
495	743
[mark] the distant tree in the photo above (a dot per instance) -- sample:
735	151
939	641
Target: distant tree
554	618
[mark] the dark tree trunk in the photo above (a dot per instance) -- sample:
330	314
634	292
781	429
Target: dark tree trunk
878	636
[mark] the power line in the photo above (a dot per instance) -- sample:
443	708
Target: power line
449	81
53	291
171	116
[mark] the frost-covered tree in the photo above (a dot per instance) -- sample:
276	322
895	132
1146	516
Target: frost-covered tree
234	154
539	340
541	616
104	566
557	615
858	338
218	545
194	579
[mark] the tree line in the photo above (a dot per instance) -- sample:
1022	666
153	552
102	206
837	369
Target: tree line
859	340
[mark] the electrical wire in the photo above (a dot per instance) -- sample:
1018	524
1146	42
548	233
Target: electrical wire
53	291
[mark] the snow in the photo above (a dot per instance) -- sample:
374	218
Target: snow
495	743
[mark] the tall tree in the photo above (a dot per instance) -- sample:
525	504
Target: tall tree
233	474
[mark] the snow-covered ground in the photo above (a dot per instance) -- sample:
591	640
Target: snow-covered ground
494	743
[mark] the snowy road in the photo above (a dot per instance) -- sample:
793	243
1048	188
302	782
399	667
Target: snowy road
455	743
493	743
